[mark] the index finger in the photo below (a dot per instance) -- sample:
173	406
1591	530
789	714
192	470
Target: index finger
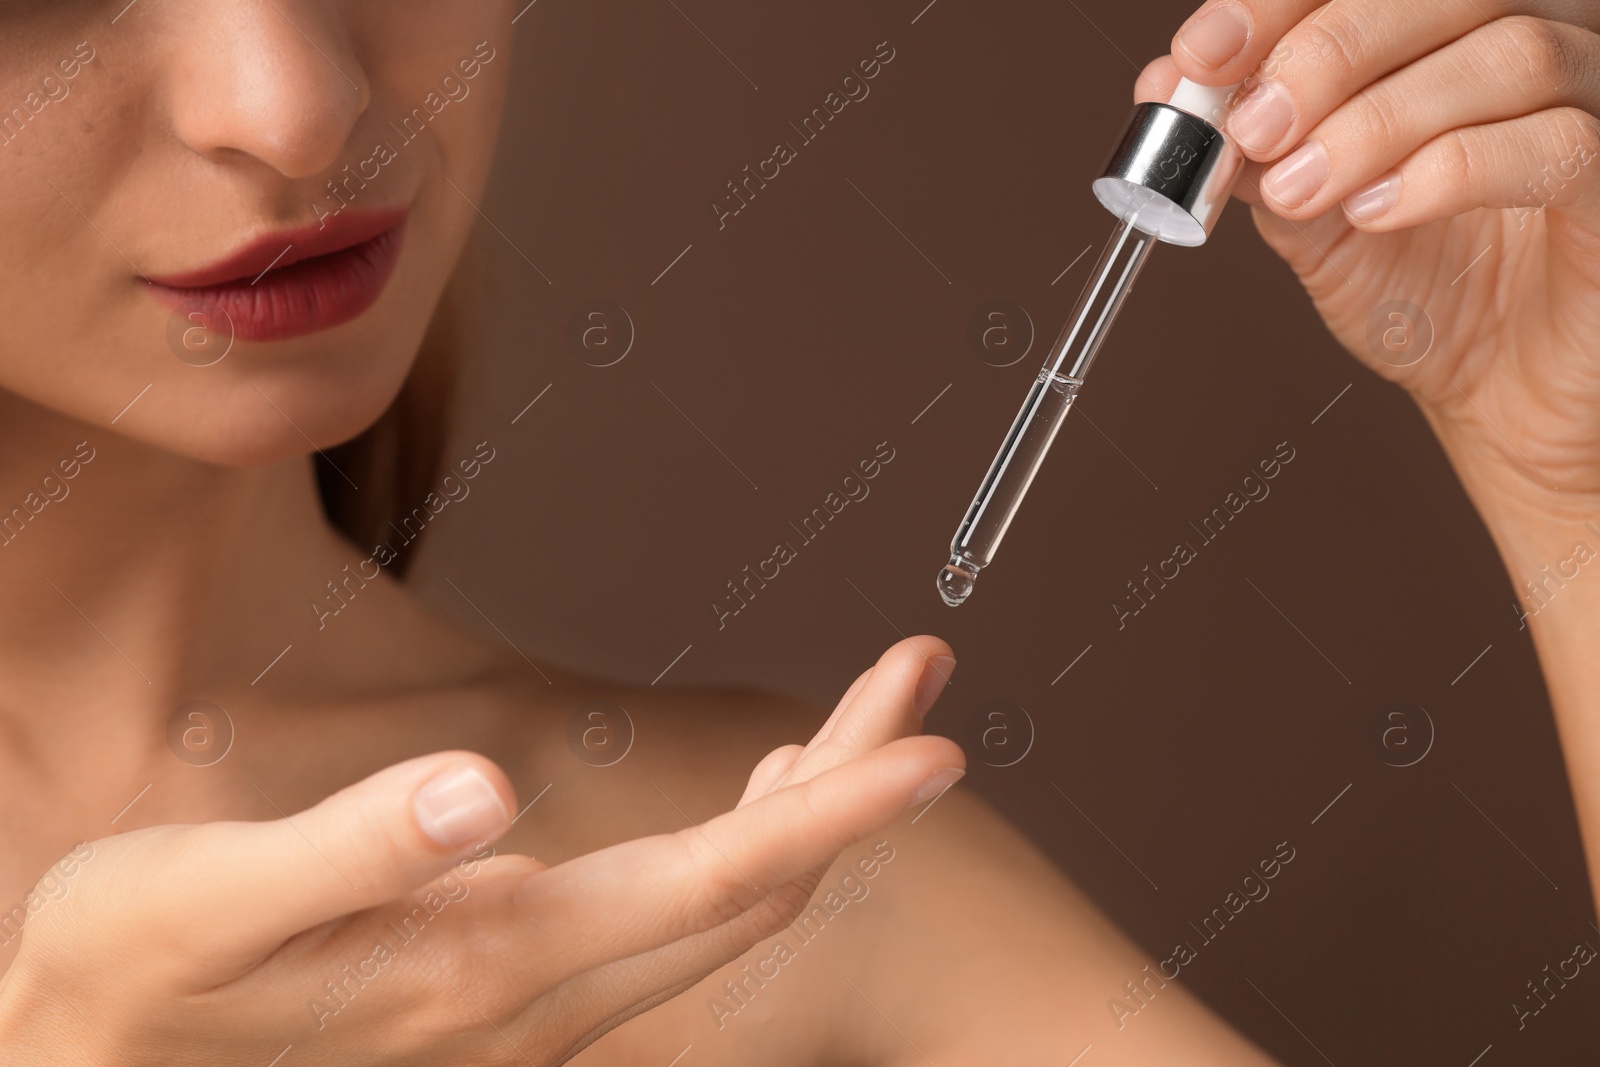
631	898
903	685
1226	40
1343	49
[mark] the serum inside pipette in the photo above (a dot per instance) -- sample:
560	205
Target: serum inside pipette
1039	420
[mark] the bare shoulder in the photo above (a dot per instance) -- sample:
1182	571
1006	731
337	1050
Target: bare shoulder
975	918
947	938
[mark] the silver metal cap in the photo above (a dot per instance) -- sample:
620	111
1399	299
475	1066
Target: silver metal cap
1171	176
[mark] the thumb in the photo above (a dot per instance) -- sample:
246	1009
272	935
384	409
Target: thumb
363	846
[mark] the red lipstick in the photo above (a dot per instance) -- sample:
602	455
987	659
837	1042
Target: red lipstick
294	282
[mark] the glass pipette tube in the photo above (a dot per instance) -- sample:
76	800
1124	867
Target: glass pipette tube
1049	400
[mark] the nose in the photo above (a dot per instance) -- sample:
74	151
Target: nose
276	80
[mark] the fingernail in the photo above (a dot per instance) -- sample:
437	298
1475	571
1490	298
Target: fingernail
459	807
1216	37
1297	179
937	784
935	676
1374	201
1263	118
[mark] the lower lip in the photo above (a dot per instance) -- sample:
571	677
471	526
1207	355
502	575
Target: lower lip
302	298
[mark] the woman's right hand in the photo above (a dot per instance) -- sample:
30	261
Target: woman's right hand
379	928
1386	143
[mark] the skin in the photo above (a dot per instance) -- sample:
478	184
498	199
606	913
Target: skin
216	902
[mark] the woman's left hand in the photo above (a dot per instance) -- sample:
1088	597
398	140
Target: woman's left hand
1432	169
226	942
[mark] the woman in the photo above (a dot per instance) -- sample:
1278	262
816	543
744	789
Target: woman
323	889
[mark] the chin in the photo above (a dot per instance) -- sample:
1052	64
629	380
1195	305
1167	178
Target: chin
273	406
256	439
268	402
304	415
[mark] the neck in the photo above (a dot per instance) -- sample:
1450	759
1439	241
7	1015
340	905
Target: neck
134	579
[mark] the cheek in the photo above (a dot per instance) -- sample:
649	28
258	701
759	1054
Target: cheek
65	336
416	47
416	56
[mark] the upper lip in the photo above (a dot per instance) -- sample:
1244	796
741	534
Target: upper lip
281	248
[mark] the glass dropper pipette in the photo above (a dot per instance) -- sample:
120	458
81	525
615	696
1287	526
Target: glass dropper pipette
1034	430
1167	181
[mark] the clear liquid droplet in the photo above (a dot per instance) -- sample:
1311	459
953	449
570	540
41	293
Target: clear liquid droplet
956	580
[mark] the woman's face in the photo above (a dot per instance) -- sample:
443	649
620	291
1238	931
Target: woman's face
285	184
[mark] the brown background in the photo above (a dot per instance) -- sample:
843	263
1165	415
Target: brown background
808	330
